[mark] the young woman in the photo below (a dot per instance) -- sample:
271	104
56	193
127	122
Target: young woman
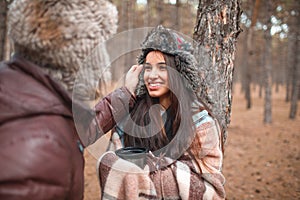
173	124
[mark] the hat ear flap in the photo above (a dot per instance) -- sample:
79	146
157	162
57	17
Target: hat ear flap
141	88
187	67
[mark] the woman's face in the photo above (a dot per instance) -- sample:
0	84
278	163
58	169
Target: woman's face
156	77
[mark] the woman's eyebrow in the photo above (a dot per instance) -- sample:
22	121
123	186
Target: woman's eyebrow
157	63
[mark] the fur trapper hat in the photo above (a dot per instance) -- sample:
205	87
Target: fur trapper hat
58	35
169	42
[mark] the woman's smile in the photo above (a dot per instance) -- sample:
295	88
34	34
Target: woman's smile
155	85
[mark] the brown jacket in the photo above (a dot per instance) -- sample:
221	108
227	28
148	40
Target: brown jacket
41	154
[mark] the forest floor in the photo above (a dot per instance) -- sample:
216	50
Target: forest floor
261	161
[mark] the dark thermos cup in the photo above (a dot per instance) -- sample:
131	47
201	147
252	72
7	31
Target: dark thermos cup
136	155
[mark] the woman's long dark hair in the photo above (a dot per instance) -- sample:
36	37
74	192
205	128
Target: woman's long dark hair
151	123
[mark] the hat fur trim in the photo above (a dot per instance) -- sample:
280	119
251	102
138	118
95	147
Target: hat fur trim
169	42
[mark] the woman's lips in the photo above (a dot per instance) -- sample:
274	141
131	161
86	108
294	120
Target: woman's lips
154	86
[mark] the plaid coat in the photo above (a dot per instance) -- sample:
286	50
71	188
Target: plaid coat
194	175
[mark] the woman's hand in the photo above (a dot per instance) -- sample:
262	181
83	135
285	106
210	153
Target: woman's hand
132	78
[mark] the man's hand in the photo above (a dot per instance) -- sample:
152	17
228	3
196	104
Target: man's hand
132	78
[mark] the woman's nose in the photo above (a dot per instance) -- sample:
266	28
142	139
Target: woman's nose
153	74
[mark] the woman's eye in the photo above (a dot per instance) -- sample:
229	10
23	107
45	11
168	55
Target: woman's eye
163	67
147	67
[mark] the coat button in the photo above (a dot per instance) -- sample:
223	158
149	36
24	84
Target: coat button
80	146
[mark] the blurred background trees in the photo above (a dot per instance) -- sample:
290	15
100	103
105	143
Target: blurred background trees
267	50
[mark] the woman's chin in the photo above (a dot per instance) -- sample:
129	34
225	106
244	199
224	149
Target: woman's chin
154	94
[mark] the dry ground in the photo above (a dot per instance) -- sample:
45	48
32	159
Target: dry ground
261	161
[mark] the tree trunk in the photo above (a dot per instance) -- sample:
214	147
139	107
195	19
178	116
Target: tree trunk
260	89
277	87
147	14
126	9
261	69
287	92
246	75
295	63
248	88
295	81
250	53
177	17
131	18
286	81
159	12
216	31
268	68
3	14
289	74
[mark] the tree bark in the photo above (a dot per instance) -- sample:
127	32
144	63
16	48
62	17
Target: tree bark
216	31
